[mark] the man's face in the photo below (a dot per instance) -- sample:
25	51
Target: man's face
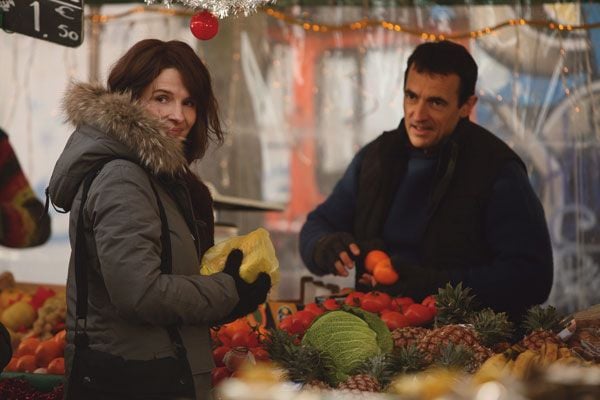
431	107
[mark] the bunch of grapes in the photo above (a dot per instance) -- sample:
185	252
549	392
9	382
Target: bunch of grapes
51	317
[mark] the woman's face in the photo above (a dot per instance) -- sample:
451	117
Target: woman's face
167	98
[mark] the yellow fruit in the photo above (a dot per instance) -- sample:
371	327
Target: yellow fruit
523	364
491	369
259	256
550	353
18	315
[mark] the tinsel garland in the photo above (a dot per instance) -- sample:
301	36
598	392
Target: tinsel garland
220	8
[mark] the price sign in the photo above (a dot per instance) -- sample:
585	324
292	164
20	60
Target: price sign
57	21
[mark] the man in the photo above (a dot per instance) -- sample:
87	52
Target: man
448	200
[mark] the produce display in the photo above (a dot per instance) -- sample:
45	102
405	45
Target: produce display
395	346
35	319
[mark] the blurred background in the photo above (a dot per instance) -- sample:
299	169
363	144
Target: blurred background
302	85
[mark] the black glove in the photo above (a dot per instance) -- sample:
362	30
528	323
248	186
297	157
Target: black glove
251	294
328	249
414	280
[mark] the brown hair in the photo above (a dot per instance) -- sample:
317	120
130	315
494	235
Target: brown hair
145	60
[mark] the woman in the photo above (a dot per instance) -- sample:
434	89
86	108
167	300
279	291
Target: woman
144	330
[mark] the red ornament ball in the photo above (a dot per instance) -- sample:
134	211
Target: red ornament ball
204	25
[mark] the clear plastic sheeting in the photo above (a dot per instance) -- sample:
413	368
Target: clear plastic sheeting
302	88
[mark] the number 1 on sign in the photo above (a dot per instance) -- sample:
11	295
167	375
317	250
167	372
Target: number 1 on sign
36	15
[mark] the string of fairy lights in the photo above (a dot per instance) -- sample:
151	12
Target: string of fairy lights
372	23
368	23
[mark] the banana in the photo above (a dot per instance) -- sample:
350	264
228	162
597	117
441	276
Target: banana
508	367
491	369
569	361
523	364
551	353
564	352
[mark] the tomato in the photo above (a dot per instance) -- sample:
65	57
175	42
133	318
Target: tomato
12	365
306	318
373	258
314	308
223	337
353	299
27	346
384	273
429	301
418	314
218	374
394	319
57	366
331	305
26	363
375	301
260	354
47	351
286	324
218	355
401	303
298	325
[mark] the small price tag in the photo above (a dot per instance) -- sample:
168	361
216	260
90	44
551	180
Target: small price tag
57	21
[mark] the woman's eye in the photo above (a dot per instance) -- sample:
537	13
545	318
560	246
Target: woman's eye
189	103
161	99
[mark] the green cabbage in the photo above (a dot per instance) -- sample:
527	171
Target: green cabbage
346	339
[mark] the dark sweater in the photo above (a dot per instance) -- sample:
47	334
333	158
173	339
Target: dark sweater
514	231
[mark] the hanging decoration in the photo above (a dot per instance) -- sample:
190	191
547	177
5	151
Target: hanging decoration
204	25
220	8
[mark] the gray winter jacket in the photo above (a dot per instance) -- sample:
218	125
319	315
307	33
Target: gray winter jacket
130	301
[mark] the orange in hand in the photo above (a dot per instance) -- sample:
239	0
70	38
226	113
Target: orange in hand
373	258
384	273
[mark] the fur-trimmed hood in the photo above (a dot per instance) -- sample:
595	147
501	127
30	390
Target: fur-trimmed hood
110	125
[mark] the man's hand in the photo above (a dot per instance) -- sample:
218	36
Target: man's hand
336	252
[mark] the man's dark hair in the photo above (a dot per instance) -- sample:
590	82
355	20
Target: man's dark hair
445	58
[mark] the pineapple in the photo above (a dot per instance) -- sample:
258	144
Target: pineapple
494	329
303	364
407	360
457	357
407	336
455	308
453	304
371	376
360	383
541	324
435	341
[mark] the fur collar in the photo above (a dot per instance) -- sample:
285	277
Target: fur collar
124	120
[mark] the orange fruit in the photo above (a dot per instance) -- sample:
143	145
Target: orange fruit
12	365
57	366
374	257
27	346
384	273
61	338
26	363
47	351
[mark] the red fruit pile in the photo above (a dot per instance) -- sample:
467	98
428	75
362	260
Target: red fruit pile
234	344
